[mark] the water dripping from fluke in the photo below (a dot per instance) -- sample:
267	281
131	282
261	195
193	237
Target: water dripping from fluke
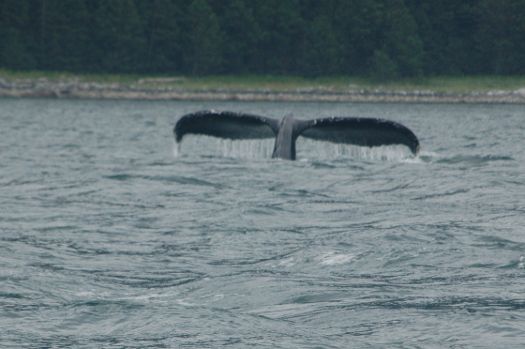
307	150
359	131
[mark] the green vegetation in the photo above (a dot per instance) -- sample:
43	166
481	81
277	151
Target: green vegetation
452	84
381	39
125	79
341	83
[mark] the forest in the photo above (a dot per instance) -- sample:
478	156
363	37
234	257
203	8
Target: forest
378	38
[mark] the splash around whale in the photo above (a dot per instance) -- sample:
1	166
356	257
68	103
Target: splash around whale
368	132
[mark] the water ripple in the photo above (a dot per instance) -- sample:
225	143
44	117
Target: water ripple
109	241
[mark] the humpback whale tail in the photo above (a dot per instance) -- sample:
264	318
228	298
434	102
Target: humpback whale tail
368	132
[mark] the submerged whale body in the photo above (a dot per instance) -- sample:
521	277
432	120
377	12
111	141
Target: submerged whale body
368	132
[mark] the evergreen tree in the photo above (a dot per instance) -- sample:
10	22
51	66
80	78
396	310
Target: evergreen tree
502	36
63	34
447	29
118	42
241	36
162	32
360	31
16	41
321	52
401	40
282	36
204	54
383	38
383	68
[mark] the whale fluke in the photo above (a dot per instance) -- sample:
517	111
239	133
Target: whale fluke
368	132
226	124
349	130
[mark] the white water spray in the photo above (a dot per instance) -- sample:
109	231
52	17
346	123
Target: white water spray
212	146
306	148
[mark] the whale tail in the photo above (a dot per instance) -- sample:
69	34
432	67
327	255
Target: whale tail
368	132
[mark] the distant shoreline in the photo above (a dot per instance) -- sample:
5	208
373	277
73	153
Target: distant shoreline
167	89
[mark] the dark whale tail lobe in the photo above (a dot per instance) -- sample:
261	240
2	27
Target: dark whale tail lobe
226	124
368	132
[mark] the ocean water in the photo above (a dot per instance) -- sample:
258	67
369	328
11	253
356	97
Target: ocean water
113	237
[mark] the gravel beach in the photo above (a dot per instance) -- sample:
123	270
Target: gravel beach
74	88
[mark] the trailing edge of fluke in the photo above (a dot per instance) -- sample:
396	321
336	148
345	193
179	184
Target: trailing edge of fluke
367	132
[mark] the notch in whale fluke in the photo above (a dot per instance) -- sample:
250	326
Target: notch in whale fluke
368	132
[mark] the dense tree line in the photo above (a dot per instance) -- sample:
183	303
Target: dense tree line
383	38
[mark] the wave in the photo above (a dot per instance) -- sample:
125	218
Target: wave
474	159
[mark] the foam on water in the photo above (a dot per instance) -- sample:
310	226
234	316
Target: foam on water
334	258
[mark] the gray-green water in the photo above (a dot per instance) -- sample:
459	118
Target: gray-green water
109	240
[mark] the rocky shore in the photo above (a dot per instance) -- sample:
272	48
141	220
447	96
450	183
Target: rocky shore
158	90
